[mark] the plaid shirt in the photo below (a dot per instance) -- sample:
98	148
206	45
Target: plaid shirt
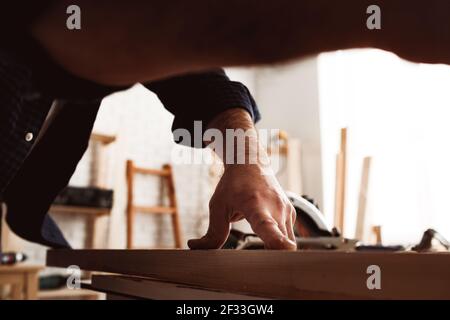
22	113
30	177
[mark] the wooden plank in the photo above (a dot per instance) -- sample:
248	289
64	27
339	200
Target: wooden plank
144	288
341	180
20	268
11	278
103	138
154	210
22	278
173	205
79	210
115	297
16	291
69	294
31	286
154	172
278	274
362	203
130	198
96	232
376	230
294	174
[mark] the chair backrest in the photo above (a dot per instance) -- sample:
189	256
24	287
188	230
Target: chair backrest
166	174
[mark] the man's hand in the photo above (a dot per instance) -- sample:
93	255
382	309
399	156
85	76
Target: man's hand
249	191
244	192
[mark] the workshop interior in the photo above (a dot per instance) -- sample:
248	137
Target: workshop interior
366	169
358	140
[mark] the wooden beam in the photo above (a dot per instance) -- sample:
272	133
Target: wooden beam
69	294
376	230
143	288
341	182
79	210
277	274
103	138
362	203
154	210
294	172
176	225
154	172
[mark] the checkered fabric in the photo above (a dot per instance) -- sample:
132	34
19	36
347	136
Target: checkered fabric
200	97
22	111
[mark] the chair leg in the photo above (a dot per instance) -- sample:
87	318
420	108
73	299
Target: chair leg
177	230
130	229
16	291
31	286
99	230
173	203
130	211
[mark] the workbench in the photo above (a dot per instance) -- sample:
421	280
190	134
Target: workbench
261	274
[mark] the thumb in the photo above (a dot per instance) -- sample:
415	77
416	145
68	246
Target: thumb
217	234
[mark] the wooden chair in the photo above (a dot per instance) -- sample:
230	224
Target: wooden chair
166	174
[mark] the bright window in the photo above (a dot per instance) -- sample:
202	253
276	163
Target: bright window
398	113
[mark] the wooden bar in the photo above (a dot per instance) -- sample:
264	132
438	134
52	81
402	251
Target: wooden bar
155	172
341	182
167	177
143	288
103	138
362	201
154	210
69	294
277	274
130	198
176	225
23	279
80	210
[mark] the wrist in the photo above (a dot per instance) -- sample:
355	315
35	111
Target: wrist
255	161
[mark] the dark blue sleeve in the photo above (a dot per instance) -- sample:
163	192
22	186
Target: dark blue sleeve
202	96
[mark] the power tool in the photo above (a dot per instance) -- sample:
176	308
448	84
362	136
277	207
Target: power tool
311	231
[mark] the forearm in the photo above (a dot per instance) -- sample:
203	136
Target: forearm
220	33
239	143
252	32
246	32
123	42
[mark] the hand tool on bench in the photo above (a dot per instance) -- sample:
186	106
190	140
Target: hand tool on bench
312	231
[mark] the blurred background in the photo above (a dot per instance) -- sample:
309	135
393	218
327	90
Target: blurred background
395	113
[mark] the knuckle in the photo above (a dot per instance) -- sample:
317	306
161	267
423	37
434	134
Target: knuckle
279	203
277	242
267	221
215	241
254	197
257	197
292	213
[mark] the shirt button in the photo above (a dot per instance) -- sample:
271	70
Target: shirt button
29	136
